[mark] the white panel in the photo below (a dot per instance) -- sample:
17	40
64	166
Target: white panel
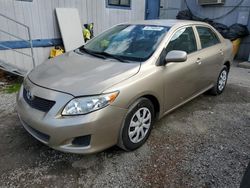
94	16
68	4
101	14
55	4
61	4
106	21
48	18
41	55
10	24
36	32
4	25
83	12
42	19
27	16
70	27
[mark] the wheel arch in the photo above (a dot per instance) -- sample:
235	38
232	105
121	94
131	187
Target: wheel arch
155	102
227	63
153	99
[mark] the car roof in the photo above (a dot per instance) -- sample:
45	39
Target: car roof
166	22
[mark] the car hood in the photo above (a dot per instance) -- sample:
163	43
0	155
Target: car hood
81	74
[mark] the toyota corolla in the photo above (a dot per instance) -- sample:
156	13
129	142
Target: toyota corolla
111	90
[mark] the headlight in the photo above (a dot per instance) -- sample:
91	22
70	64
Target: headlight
84	105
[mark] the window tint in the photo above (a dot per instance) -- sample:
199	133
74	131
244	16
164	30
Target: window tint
183	39
207	37
121	3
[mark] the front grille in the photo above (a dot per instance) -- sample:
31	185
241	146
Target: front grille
38	103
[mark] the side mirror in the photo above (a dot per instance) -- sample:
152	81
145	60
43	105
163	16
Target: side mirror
176	56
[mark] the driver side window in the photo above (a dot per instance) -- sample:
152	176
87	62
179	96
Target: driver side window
184	40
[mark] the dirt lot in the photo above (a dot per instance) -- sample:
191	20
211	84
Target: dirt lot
205	143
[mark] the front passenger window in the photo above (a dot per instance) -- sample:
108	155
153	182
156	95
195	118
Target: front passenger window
184	40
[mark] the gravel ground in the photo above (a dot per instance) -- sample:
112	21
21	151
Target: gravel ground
205	143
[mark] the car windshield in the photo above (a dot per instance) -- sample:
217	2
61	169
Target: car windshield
127	42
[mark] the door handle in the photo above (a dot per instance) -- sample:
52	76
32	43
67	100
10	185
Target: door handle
221	52
198	61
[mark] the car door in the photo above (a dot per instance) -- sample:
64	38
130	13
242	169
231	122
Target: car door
210	55
181	80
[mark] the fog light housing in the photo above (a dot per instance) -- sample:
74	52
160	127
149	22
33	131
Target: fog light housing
81	141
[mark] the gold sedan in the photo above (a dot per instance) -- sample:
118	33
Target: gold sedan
111	90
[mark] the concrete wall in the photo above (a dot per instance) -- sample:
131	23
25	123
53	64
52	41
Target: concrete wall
39	15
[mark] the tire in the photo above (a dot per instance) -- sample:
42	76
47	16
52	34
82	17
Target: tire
139	128
221	82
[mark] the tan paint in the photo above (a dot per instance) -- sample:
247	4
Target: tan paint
72	75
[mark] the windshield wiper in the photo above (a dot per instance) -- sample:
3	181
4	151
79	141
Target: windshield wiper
103	55
91	52
112	56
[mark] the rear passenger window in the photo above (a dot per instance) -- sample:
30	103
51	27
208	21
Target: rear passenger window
207	37
183	39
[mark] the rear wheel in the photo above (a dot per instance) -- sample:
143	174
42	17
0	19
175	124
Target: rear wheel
137	125
221	82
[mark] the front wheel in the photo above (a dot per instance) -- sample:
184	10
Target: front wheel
137	125
221	82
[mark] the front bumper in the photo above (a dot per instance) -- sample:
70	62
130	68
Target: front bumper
102	127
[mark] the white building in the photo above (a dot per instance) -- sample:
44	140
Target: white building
39	16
